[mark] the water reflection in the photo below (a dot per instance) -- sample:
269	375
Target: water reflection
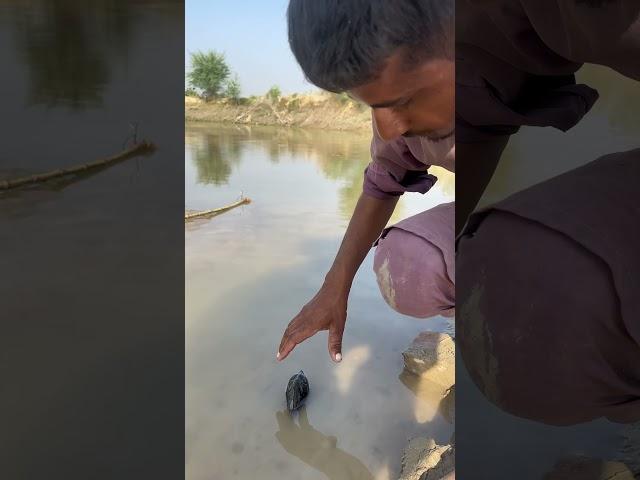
610	126
215	156
218	150
619	101
431	398
106	231
318	450
71	48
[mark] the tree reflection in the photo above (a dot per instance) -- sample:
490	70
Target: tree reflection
215	157
340	156
71	47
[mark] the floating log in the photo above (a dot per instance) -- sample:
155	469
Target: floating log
136	149
216	211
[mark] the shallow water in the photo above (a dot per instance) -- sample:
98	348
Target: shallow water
248	272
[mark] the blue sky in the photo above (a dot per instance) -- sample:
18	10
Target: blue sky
253	36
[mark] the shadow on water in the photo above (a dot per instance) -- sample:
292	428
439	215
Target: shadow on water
316	449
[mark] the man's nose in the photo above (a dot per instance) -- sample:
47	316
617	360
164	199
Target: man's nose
390	125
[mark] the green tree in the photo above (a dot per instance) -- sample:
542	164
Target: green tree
274	94
209	72
233	89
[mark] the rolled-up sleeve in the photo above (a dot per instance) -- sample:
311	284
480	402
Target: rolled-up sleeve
394	170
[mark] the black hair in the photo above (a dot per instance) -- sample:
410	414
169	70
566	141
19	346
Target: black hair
342	44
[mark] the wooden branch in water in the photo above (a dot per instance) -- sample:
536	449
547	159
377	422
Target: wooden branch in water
216	211
137	149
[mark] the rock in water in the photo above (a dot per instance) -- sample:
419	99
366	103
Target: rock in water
297	391
432	356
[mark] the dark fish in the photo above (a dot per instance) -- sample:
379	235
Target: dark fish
297	391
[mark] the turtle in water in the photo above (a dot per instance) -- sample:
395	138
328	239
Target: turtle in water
297	391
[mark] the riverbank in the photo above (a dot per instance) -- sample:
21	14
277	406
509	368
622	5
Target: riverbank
316	110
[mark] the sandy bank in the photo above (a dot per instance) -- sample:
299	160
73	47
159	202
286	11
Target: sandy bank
317	110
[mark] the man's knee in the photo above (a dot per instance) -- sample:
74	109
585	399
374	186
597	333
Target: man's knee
538	315
412	276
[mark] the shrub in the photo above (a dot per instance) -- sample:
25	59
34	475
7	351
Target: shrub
233	89
209	72
274	94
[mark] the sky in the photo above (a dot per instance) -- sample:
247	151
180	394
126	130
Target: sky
253	36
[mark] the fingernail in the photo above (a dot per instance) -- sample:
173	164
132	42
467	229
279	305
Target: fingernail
278	355
338	357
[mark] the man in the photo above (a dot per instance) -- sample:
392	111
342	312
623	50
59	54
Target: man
397	57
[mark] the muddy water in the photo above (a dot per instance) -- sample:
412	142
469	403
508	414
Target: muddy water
89	292
248	272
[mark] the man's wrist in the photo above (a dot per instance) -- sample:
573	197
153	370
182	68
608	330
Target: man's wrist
338	280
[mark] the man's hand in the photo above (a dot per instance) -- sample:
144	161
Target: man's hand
326	311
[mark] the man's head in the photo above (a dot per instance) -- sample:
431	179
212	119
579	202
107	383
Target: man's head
396	56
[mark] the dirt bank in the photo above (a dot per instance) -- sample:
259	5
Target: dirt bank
317	110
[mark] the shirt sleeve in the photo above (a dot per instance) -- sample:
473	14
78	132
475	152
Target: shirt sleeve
394	170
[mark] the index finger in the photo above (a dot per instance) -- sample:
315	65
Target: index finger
288	343
297	332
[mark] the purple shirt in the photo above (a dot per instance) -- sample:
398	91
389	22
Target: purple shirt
401	165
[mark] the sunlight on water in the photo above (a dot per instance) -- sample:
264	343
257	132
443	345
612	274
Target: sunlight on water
345	372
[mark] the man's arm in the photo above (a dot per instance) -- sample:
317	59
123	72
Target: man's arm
328	308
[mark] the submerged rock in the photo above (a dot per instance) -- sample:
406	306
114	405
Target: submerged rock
424	459
432	356
297	391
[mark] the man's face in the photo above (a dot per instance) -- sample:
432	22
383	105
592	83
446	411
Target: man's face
418	101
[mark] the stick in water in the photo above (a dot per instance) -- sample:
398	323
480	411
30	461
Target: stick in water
216	211
43	177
